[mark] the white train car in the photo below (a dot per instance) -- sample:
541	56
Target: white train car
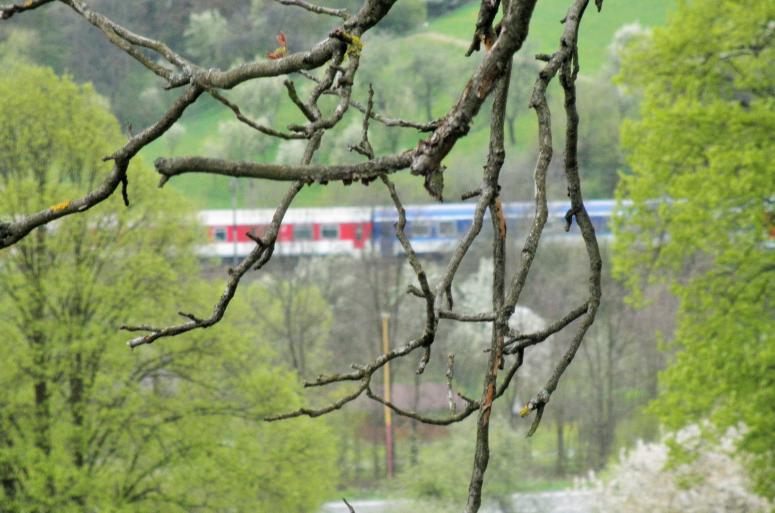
304	231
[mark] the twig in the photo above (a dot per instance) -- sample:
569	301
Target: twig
364	147
385	120
520	342
259	256
340	13
349	506
450	374
249	122
435	421
309	412
6	11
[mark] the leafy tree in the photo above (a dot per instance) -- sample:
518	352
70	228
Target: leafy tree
701	217
428	74
84	426
297	318
206	36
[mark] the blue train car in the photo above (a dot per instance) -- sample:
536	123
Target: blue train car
433	228
436	228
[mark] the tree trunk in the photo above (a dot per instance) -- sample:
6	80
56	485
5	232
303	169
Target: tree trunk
415	449
559	466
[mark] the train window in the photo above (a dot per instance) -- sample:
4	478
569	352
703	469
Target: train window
302	232
219	234
420	229
258	230
447	229
329	231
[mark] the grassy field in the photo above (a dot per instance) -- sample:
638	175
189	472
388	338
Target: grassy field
448	35
597	29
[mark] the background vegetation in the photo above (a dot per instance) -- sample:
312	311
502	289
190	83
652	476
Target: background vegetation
244	29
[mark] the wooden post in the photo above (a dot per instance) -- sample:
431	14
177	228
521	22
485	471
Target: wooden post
387	389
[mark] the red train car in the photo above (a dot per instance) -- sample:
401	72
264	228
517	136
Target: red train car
305	231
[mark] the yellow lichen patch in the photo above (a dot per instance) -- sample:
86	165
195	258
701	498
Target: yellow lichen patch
60	206
354	44
524	410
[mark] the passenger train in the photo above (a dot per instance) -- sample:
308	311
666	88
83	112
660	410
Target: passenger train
432	229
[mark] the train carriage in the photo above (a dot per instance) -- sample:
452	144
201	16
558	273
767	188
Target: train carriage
432	229
305	231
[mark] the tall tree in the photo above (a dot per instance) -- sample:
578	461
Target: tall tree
83	426
701	217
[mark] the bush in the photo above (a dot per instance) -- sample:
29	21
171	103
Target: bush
705	477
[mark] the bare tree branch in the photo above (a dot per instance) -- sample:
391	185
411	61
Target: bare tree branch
169	167
349	506
249	122
338	58
388	121
309	412
258	257
484	31
495	159
458	121
436	421
11	232
128	41
569	72
530	339
455	316
6	11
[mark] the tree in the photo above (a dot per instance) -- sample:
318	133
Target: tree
701	215
332	68
206	37
82	426
296	315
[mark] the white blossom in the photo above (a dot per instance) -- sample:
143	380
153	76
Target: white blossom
713	480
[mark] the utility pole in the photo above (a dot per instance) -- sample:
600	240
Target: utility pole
386	393
234	220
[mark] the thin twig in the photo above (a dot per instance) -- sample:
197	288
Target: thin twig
340	13
249	122
6	11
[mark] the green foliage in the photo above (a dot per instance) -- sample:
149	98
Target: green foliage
701	217
86	425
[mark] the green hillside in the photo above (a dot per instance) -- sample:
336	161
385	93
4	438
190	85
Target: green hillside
448	36
597	29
